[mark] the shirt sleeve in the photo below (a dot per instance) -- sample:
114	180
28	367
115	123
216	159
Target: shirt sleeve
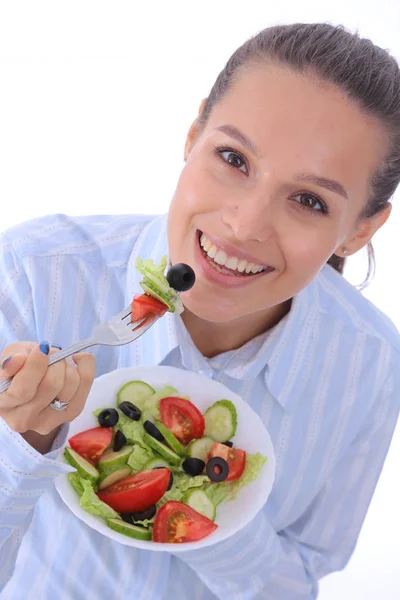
261	563
24	473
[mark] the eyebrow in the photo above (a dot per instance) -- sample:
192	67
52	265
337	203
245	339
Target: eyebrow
236	134
328	184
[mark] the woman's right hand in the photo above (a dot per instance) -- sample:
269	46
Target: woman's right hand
25	406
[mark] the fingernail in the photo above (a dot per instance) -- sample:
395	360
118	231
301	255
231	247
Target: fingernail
57	346
5	361
44	347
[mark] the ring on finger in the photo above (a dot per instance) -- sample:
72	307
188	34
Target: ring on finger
58	405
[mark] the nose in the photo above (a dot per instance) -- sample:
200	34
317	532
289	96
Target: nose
250	219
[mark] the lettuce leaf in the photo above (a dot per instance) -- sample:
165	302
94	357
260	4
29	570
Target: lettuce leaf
184	483
173	494
133	431
93	505
217	492
254	464
148	266
76	481
139	457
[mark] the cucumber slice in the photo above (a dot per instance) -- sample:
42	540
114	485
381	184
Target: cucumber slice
200	448
83	466
110	458
133	531
113	475
156	463
152	403
170	456
221	421
199	501
171	440
135	392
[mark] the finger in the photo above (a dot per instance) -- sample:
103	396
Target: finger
12	363
25	384
17	347
49	419
71	382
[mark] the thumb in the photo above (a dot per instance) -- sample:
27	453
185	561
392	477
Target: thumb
12	364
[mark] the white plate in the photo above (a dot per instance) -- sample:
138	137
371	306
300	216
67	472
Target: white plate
251	436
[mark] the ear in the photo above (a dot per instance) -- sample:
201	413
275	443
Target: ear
364	232
193	131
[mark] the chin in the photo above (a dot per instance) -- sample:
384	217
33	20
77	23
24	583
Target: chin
211	310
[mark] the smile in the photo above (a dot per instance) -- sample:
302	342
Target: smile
229	264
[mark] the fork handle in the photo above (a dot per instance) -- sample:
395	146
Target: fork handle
57	356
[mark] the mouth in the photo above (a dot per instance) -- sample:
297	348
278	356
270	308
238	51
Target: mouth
228	263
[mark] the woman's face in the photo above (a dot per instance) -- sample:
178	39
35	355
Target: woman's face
272	187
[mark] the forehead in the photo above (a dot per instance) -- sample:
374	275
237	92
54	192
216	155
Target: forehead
298	117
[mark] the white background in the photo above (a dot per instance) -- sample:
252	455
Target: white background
95	101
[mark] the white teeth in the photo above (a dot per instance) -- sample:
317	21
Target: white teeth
242	265
230	262
221	257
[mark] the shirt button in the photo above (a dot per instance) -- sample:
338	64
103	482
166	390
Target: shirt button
208	374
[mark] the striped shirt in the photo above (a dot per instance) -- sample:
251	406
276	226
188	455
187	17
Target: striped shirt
325	382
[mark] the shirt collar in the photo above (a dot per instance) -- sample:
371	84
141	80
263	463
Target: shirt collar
279	353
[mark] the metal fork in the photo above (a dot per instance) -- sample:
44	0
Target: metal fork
117	331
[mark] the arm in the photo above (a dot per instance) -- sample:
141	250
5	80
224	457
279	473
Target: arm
24	473
259	562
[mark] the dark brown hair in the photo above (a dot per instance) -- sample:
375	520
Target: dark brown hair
368	74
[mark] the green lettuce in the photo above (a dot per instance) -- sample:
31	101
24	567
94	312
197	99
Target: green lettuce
173	494
148	266
254	463
133	431
76	481
217	492
92	503
184	483
139	457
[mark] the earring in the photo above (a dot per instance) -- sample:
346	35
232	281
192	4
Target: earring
345	251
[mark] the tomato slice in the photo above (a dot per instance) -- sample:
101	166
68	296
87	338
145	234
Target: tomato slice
235	458
183	418
143	305
176	522
91	443
136	492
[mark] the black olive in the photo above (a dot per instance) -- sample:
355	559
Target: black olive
228	443
130	410
217	469
119	441
108	417
153	431
193	466
139	516
181	277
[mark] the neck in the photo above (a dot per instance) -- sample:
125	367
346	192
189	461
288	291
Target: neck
212	339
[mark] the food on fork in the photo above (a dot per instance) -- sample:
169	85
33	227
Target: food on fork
161	291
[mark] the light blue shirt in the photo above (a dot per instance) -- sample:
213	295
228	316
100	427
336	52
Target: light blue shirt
325	382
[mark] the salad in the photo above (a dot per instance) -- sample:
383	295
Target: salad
156	468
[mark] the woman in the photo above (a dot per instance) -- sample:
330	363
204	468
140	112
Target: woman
290	167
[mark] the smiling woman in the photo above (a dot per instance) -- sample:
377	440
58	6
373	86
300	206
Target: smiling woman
290	167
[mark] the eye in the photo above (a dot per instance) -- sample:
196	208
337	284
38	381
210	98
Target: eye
311	203
233	158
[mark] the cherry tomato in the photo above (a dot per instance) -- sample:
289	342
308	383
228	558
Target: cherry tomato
90	444
183	418
143	305
136	492
176	522
235	458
